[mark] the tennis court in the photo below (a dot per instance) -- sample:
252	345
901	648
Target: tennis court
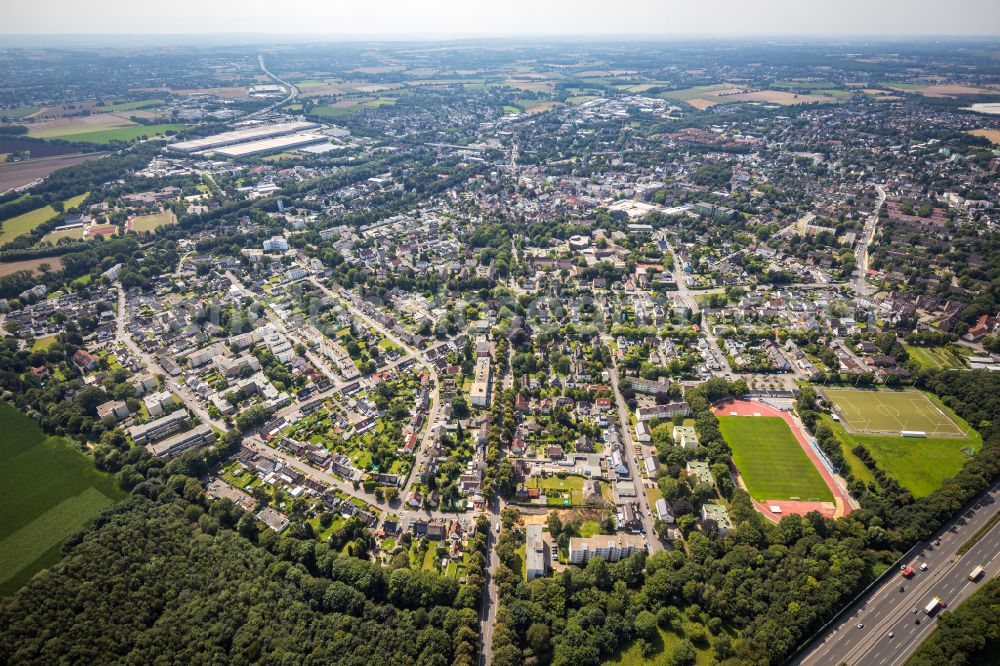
890	412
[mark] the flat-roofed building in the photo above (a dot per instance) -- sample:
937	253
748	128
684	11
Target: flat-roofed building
479	395
156	430
612	547
534	552
719	514
181	442
270	145
241	136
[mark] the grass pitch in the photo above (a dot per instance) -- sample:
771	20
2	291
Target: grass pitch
152	222
49	491
891	412
771	461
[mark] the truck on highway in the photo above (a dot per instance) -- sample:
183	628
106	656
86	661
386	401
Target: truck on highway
933	605
976	573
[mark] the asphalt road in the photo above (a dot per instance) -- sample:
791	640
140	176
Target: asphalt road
631	456
887	609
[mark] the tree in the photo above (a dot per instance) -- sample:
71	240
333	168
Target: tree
686	523
555	524
539	637
459	407
645	625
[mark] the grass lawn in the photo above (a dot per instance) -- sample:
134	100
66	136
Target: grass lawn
54	237
238	477
50	491
571	485
936	357
858	468
152	222
44	342
27	222
890	412
769	458
589	528
919	464
652	495
665	643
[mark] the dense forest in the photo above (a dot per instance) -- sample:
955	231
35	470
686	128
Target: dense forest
167	578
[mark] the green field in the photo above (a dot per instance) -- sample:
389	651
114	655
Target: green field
770	460
919	464
18	111
131	106
937	357
695	92
891	412
152	222
50	491
664	644
26	222
121	133
336	111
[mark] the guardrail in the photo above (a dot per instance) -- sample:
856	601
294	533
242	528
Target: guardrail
849	605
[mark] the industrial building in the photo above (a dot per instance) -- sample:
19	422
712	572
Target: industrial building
269	145
241	136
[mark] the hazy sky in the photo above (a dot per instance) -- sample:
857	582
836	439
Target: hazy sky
505	17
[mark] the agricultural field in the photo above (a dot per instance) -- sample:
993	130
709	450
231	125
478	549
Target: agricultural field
152	222
18	174
702	97
124	133
97	128
937	357
6	268
348	106
18	111
771	461
943	90
992	135
26	222
891	412
50	491
131	106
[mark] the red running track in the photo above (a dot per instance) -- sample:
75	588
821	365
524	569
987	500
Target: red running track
749	408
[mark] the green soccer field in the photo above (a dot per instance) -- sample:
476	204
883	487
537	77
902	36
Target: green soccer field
49	491
891	412
771	461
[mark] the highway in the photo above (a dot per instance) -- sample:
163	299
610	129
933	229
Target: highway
293	92
887	610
